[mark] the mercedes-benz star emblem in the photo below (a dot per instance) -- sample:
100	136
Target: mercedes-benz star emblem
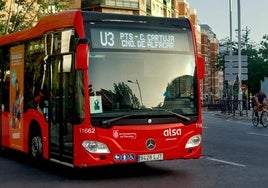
150	144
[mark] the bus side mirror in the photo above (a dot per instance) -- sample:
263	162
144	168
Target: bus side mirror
201	67
82	51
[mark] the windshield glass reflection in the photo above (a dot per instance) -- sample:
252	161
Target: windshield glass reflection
123	82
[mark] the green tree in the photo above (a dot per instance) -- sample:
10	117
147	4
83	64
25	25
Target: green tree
224	50
264	48
256	65
262	66
249	48
25	13
2	15
125	96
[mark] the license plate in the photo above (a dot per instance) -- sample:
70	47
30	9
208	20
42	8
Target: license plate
150	157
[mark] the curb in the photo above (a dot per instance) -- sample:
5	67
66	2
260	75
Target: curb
237	117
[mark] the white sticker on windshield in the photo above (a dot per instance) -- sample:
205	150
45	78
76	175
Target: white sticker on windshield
95	104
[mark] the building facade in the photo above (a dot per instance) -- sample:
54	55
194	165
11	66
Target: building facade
213	80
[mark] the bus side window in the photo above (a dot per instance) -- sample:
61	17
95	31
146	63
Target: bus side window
5	80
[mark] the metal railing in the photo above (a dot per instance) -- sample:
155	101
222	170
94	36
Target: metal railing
234	107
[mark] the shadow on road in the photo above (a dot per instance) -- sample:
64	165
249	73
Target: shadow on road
92	173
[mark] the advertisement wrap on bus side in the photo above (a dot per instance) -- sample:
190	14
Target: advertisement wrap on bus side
16	97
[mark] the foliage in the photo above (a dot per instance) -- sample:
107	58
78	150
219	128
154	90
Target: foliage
224	43
255	62
125	96
2	15
2	4
25	13
263	48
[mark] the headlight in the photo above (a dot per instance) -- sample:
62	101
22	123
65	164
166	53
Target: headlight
193	141
95	147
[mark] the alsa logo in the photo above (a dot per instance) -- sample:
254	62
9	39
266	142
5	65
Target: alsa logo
172	132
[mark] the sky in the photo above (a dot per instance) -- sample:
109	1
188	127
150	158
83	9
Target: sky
216	14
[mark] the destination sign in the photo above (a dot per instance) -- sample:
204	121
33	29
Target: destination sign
139	40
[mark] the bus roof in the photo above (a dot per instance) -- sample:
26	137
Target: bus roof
75	18
49	23
98	16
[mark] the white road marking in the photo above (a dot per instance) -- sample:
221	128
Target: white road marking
259	134
225	162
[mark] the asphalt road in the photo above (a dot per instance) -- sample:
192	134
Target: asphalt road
234	155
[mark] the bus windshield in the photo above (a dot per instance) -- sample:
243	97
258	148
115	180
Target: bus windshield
141	73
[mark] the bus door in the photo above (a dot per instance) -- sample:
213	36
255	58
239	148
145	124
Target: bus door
61	79
4	89
1	91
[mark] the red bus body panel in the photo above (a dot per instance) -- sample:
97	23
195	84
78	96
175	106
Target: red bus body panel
168	140
70	19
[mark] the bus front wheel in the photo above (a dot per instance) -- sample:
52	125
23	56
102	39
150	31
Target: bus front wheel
35	146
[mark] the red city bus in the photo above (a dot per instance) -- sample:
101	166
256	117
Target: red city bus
88	89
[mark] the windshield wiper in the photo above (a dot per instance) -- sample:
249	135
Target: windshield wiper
174	113
109	121
112	120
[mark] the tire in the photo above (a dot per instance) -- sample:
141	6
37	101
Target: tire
255	119
264	119
36	147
